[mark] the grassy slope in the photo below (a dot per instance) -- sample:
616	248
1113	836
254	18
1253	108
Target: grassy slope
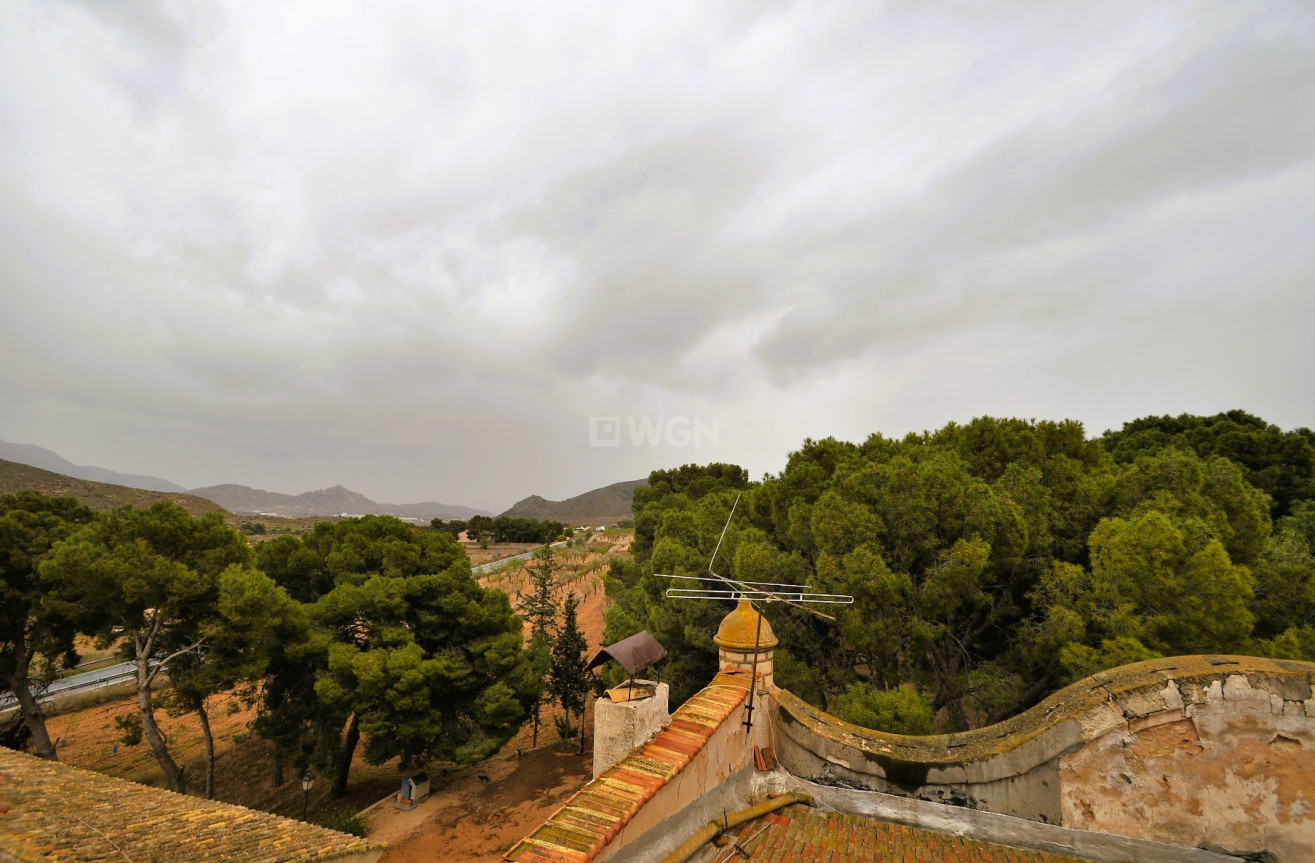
97	495
602	504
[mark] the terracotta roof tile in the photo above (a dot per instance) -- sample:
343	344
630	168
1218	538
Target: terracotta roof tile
596	813
800	834
52	811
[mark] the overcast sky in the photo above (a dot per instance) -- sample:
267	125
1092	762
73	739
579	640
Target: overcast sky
413	248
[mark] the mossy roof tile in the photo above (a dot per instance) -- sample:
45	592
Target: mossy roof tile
804	835
51	811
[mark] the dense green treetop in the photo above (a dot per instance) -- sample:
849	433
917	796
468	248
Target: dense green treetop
406	647
30	525
143	572
991	562
1279	463
503	528
33	641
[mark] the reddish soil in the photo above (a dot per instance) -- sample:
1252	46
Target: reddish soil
495	551
477	813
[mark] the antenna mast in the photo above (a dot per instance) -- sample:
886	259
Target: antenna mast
752	592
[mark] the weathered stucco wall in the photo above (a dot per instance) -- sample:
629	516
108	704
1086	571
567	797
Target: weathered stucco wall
1227	761
621	726
1182	750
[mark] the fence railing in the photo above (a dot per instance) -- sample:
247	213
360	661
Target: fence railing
88	681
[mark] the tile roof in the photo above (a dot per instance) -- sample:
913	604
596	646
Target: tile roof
596	813
51	811
801	834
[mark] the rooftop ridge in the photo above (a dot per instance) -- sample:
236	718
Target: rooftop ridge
801	834
583	826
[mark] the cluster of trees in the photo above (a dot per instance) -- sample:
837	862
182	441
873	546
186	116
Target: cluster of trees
556	649
503	528
365	627
993	562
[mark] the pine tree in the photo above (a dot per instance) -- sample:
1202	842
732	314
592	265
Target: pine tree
541	611
541	607
568	680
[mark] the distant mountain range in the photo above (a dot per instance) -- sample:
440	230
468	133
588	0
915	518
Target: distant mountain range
36	456
325	501
601	506
606	505
100	496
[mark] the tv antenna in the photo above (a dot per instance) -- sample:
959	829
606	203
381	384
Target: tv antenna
753	592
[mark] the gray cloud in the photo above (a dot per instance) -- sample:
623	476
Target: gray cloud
412	248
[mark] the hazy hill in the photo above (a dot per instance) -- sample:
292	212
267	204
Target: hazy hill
433	509
35	456
602	505
241	498
325	501
97	495
235	498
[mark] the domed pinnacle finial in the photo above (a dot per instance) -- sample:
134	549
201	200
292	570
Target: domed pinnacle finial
740	630
745	641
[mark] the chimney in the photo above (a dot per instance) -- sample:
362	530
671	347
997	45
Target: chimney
625	718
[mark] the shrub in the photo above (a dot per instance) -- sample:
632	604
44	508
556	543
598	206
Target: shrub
131	726
566	731
344	822
897	711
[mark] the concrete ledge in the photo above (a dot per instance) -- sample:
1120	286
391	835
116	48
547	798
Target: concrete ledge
1067	719
1177	750
1096	705
1002	829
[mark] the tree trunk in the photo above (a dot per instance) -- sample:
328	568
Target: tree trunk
344	765
582	731
278	769
538	705
28	708
209	752
173	774
950	687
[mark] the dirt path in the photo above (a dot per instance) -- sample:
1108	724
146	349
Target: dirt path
478	812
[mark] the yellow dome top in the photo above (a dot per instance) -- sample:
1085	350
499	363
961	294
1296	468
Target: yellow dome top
739	629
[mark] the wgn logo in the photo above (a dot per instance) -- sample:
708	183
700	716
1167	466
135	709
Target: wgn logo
654	431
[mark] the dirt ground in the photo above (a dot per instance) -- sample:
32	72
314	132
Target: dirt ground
477	813
473	813
495	551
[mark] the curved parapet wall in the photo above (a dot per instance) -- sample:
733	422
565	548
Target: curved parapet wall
1190	749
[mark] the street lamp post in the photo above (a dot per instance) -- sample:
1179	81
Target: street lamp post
307	780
